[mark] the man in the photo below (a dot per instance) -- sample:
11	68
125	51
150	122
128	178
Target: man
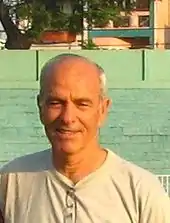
77	181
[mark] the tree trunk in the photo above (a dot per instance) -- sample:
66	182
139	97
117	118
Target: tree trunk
15	39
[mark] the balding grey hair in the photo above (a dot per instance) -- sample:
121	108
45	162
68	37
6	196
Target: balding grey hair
59	58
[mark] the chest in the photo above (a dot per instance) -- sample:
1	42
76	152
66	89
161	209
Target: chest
47	201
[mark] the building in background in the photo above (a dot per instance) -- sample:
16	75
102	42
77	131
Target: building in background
161	12
147	26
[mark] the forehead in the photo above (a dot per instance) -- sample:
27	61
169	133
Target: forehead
73	75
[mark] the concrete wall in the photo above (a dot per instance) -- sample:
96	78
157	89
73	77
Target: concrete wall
138	126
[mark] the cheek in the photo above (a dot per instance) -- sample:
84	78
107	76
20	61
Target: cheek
90	120
96	119
48	115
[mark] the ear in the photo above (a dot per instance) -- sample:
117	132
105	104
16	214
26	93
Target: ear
38	101
108	103
39	108
105	105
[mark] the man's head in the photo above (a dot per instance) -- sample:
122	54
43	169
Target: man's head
72	102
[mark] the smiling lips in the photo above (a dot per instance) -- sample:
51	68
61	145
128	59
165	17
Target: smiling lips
66	134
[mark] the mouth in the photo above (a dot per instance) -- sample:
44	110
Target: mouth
66	134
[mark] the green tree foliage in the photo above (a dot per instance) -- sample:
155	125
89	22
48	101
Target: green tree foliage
47	15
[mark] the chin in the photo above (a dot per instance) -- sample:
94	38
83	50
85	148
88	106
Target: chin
67	147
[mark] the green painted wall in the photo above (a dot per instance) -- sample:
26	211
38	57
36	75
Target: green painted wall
138	126
17	65
116	64
157	66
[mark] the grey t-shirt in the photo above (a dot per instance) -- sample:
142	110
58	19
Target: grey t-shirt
32	191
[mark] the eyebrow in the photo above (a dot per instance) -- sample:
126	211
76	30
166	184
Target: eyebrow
78	100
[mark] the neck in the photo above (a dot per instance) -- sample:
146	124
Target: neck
76	166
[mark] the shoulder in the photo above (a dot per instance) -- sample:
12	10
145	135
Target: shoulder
29	163
138	178
142	188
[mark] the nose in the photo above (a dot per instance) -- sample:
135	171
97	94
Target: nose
68	114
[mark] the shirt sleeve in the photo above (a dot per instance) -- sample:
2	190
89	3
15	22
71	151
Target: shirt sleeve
154	204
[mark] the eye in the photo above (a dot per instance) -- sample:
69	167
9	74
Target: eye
53	103
83	105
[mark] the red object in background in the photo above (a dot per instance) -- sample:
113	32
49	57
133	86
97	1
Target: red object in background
57	37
